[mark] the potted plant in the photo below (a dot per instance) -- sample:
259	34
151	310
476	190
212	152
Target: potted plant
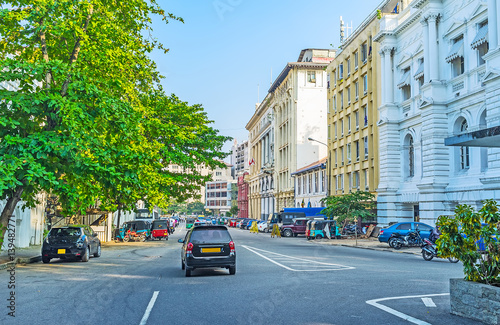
472	237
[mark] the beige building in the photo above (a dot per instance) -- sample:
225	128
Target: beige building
353	99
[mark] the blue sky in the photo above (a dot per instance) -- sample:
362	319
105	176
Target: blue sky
224	54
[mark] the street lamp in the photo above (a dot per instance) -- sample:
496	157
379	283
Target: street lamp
329	172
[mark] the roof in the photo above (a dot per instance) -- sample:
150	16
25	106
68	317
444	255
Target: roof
290	66
315	165
489	138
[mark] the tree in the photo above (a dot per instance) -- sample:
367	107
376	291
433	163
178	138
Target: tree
350	206
195	208
82	109
234	210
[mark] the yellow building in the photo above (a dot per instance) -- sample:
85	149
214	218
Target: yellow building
353	99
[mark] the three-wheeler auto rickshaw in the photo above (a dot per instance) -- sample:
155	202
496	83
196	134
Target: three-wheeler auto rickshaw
133	230
315	229
189	223
159	229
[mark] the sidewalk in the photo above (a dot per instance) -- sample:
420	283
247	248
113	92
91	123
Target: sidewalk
30	254
367	243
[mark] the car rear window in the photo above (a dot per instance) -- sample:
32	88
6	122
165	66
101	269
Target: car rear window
63	232
210	236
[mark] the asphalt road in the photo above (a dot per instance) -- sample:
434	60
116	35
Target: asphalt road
278	281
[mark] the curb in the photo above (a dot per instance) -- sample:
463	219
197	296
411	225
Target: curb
372	248
21	260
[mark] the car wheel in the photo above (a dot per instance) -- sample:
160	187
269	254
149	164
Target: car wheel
308	238
453	259
86	256
232	270
391	242
319	237
45	260
183	266
295	235
287	233
188	273
98	253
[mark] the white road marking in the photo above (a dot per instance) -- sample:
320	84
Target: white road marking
149	308
319	266
428	302
374	302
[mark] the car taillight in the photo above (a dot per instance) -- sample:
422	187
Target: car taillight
381	232
189	248
231	247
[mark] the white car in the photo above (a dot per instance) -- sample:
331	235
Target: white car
262	226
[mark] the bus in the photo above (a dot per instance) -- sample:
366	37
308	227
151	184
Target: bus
146	215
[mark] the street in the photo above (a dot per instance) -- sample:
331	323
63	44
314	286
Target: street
277	280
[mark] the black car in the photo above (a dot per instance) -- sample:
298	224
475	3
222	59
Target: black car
208	247
71	242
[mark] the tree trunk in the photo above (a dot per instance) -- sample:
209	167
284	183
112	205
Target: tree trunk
8	210
119	215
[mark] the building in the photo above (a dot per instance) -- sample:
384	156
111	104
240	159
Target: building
220	191
261	178
203	170
298	98
311	185
239	158
440	80
243	189
353	99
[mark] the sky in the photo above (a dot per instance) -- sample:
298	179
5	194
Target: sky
226	53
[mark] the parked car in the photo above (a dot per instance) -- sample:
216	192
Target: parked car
298	227
403	228
262	226
244	223
208	246
71	242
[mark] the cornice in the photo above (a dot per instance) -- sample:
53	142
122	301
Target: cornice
398	30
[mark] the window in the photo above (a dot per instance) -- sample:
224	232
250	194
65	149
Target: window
404	84
365	113
349	175
356	60
311	76
341	100
365	84
335	155
335	103
456	56
348	153
357	150
365	143
341	128
365	172
340	182
411	157
348	63
341	156
356	119
349	124
334	73
356	179
304	185
323	181
341	72
335	130
404	226
364	53
480	42
348	90
356	90
329	132
299	185
316	182
464	151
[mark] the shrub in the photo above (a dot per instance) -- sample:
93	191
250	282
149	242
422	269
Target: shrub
472	237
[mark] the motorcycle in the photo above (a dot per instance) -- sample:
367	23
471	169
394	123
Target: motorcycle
411	239
351	229
429	251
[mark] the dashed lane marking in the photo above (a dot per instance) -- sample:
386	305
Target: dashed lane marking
149	308
290	262
428	302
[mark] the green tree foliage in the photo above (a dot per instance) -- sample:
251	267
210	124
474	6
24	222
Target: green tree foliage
233	211
349	207
196	208
462	234
82	113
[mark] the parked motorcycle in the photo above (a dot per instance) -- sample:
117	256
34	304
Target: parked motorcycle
351	229
411	239
429	251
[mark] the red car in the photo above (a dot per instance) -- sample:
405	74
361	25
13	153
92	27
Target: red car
232	222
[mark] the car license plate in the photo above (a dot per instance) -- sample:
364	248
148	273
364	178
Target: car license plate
61	251
211	250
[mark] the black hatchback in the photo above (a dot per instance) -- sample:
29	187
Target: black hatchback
208	247
70	242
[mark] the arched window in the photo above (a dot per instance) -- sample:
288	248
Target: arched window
464	151
411	157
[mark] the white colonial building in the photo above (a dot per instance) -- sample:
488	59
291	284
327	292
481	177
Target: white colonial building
311	185
440	79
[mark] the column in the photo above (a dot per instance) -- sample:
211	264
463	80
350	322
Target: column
389	84
383	79
493	25
425	27
433	49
